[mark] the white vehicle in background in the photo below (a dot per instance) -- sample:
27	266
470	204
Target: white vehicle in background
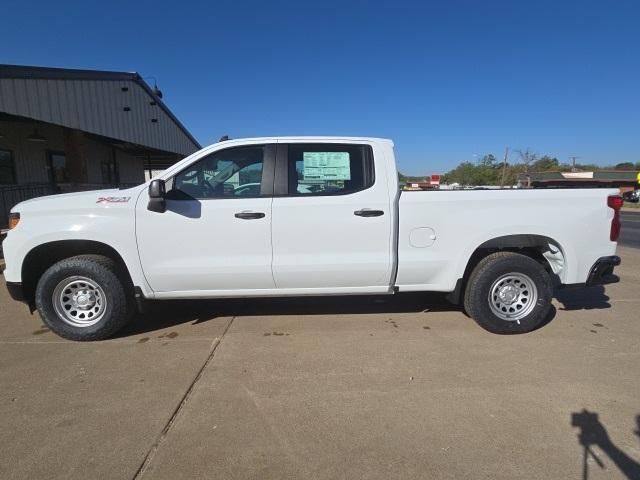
328	218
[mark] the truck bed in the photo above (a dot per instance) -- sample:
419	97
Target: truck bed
439	230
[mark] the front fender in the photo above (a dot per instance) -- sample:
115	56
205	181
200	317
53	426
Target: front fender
115	229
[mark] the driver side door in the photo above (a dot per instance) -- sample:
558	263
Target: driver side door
215	236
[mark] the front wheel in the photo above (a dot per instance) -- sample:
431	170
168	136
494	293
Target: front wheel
84	298
508	293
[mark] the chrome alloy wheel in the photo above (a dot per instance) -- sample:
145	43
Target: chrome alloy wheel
513	296
79	301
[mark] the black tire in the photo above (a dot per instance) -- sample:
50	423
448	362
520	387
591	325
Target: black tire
102	271
489	270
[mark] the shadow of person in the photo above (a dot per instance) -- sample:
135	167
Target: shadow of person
593	433
589	298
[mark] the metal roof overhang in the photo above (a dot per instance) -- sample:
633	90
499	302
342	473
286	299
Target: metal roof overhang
27	73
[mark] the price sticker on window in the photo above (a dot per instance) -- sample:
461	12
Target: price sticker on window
326	166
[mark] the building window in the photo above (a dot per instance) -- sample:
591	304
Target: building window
108	172
7	168
58	168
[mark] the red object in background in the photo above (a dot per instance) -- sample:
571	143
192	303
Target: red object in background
435	179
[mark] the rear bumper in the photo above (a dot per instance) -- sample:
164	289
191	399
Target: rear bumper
602	271
16	291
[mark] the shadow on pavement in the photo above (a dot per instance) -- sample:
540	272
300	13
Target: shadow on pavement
593	433
588	298
168	313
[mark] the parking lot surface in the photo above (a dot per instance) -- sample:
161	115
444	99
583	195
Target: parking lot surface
630	233
356	387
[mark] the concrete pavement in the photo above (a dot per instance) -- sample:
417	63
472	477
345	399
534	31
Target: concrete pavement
399	387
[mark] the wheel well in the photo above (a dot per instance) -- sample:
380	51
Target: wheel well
39	259
533	246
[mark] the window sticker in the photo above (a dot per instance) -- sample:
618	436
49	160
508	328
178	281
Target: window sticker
326	166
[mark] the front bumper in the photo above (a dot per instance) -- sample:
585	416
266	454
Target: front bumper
602	271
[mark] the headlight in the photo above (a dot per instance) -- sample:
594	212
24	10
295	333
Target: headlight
14	219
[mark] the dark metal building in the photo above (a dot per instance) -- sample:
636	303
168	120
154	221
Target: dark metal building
65	130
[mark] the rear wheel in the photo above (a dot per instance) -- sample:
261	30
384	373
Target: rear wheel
84	298
508	293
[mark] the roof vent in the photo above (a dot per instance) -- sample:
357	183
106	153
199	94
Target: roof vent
157	92
224	138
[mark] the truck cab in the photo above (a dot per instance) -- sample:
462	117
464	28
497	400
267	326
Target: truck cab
323	208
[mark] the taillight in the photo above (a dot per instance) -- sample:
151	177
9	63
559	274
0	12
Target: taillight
615	202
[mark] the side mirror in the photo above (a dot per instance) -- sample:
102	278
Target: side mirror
157	194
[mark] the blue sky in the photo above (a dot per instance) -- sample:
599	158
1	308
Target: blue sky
446	80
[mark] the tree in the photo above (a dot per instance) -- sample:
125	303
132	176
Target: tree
625	166
488	171
545	163
527	157
409	178
488	160
464	174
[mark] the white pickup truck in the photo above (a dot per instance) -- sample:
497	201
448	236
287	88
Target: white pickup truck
303	216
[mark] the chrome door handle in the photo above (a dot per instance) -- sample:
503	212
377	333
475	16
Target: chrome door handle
365	212
249	215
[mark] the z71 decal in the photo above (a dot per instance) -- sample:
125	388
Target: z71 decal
113	199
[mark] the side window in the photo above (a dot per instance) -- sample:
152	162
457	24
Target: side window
109	172
231	173
58	172
329	169
7	170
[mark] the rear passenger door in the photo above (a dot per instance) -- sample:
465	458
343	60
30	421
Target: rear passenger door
331	219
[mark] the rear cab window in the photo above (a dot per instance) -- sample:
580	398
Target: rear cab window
327	169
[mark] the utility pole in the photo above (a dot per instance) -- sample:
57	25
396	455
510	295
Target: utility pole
504	165
573	162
